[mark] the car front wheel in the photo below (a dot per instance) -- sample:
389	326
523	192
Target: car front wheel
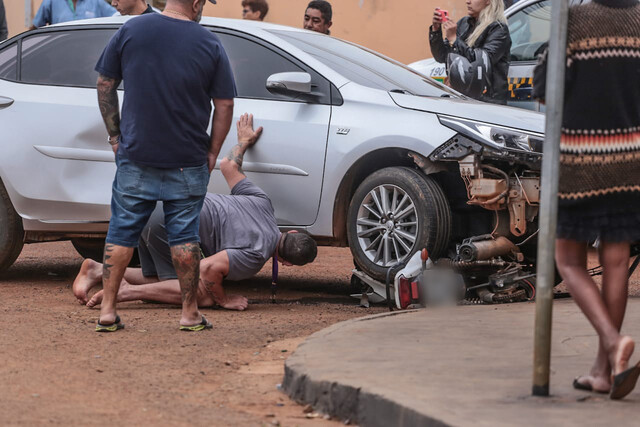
394	213
11	231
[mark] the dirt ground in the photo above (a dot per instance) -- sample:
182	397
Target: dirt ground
56	370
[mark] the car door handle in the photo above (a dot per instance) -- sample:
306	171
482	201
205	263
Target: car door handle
5	102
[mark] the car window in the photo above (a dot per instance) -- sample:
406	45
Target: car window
9	63
253	63
530	28
63	58
363	66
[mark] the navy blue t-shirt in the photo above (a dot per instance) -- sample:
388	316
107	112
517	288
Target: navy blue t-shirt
171	69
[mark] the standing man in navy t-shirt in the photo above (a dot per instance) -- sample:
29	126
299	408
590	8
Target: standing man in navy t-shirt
172	68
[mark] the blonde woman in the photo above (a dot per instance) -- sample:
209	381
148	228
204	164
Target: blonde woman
483	33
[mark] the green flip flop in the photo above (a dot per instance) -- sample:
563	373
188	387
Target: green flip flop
112	327
199	327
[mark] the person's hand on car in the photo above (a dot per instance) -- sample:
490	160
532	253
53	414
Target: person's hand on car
437	19
246	135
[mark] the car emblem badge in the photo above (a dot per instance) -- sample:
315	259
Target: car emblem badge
343	131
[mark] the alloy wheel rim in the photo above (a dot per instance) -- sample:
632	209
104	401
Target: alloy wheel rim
387	225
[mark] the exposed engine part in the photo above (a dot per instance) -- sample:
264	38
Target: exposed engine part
504	193
509	295
427	166
472	301
481	250
469	166
520	196
462	265
505	277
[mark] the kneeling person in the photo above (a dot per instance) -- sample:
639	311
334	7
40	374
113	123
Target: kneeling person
238	234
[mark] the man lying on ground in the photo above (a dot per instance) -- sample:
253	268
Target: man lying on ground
238	234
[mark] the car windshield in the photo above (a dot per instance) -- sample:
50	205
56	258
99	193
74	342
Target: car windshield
363	66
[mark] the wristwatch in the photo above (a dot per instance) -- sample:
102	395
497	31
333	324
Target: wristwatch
114	140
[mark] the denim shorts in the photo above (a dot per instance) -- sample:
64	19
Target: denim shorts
137	189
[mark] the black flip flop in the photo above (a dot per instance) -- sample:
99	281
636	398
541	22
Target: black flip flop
586	387
112	327
199	327
624	382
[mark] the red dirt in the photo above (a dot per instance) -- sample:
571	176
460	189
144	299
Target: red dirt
56	370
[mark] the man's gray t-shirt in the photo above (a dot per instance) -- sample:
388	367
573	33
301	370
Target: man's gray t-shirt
243	224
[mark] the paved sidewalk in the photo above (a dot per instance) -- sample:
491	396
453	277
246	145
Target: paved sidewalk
461	367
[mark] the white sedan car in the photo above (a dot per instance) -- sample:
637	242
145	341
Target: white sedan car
357	150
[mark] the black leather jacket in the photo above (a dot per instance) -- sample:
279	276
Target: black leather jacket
495	40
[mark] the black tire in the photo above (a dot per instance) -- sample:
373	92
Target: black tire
89	248
11	231
431	214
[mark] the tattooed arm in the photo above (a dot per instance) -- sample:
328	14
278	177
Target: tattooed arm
109	105
231	165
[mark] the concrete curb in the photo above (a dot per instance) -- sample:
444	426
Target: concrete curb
345	402
462	366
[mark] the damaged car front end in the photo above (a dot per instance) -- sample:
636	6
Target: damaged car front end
500	168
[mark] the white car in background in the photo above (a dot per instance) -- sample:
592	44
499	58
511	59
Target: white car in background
358	149
529	25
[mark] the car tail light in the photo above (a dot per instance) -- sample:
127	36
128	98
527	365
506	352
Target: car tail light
407	292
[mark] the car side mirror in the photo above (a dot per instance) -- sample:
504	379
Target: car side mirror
290	84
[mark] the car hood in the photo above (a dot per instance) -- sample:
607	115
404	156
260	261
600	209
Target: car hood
516	118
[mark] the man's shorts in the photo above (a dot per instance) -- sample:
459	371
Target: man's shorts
136	190
154	250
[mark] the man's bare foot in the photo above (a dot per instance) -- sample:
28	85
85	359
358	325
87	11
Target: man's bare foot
95	300
191	319
124	294
89	276
235	302
620	355
599	384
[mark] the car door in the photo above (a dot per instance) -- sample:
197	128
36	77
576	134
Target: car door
55	161
288	161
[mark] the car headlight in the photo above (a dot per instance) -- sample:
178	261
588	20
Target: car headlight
495	137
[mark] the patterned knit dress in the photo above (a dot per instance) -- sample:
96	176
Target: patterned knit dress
599	193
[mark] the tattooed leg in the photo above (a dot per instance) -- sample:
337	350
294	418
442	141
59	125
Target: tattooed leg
116	259
186	261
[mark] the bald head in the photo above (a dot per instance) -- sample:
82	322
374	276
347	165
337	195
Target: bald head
129	7
191	8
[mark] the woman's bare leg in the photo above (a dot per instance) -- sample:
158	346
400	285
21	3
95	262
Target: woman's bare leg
614	258
571	258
